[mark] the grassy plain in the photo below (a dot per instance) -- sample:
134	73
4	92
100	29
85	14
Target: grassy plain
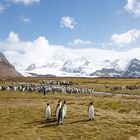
116	118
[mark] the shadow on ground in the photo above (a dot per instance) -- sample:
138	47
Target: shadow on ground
53	122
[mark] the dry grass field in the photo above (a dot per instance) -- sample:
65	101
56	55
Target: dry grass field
116	118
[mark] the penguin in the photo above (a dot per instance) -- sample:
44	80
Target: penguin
65	109
61	115
44	91
47	112
60	103
57	111
91	111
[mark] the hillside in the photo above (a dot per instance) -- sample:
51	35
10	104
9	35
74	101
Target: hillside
6	69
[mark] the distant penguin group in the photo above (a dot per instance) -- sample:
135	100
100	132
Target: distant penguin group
61	112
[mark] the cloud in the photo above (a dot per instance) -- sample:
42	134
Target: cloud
25	19
79	42
8	3
2	8
68	22
40	52
133	6
13	37
126	38
25	2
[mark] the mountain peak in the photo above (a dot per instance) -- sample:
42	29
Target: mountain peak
81	59
6	69
135	60
31	67
133	69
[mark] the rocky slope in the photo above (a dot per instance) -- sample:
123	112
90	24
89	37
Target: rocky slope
6	69
133	69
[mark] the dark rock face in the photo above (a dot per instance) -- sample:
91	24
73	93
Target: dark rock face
133	69
41	75
107	73
31	67
6	69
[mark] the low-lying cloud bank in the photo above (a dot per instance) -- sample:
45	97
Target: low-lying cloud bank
23	53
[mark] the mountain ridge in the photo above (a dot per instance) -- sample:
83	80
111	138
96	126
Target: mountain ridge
83	67
6	69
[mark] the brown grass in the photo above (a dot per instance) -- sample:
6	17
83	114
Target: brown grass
21	117
117	118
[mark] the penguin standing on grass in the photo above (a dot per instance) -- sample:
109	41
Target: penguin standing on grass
47	112
65	109
57	110
91	111
61	115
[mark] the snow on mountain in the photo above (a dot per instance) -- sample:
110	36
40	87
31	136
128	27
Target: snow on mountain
112	72
118	64
31	67
133	69
80	66
41	56
78	62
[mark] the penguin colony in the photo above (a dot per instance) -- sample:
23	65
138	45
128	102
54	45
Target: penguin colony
46	87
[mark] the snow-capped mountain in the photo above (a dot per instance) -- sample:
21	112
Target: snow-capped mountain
83	67
133	69
79	66
31	67
111	69
112	72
